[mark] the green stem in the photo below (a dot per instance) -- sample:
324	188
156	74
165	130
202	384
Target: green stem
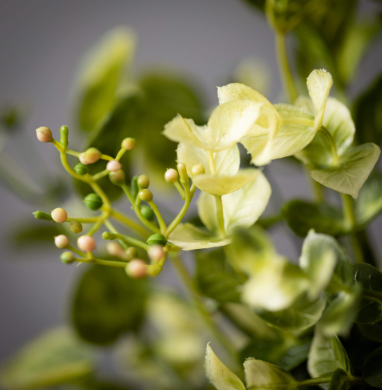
316	187
314	381
220	215
132	241
162	224
130	223
284	67
206	316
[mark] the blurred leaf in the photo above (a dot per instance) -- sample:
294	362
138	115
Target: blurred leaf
54	358
107	304
302	216
370	279
101	72
372	331
11	117
259	4
215	277
367	112
340	380
36	234
372	369
122	121
369	202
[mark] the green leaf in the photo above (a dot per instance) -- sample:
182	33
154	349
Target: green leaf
340	380
367	112
262	375
318	260
219	375
121	122
35	234
372	369
372	331
300	316
349	175
369	202
189	237
215	277
302	216
370	279
52	359
107	304
327	355
101	72
259	4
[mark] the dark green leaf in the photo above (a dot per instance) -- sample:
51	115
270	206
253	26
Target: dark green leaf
259	4
36	234
372	369
215	277
107	304
367	113
372	331
302	216
370	279
340	380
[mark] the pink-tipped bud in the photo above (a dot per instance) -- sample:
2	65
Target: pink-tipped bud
156	252
128	143
198	170
59	215
171	176
86	243
91	156
114	249
136	268
113	166
61	241
44	134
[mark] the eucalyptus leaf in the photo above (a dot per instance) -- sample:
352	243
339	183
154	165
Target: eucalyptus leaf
107	304
215	277
372	369
301	216
262	375
221	377
52	359
352	170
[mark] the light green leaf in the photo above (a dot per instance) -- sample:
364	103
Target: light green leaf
319	83
54	358
327	355
100	73
207	211
184	130
349	175
222	185
235	91
318	260
227	161
188	237
219	375
263	376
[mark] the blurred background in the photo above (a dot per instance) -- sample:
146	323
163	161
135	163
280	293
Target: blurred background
42	45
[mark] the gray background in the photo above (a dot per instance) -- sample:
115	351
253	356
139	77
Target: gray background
40	47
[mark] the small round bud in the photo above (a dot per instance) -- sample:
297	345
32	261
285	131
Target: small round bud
146	195
131	252
143	182
181	167
44	134
61	241
128	143
93	201
67	258
113	166
108	236
114	249
59	215
136	268
86	243
117	177
147	212
81	169
91	156
156	252
171	176
157	239
198	170
76	227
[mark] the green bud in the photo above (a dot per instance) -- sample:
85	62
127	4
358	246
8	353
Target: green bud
143	182
146	195
157	239
117	177
76	227
108	236
43	216
67	258
134	189
131	252
147	212
93	201
81	169
64	136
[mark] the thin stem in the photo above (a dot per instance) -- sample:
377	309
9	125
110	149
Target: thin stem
133	241
285	71
180	189
316	187
176	221
314	381
220	215
194	293
162	224
130	223
83	220
100	175
112	229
